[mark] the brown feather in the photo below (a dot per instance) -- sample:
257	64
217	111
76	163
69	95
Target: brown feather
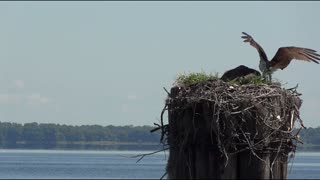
248	38
284	56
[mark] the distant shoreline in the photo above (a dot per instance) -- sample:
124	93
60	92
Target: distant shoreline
117	150
96	137
129	147
112	146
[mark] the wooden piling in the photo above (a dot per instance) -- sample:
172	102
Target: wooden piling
214	136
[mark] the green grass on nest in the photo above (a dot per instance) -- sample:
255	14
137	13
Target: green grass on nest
250	79
197	77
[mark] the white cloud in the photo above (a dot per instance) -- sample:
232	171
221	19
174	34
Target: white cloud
37	99
19	84
9	99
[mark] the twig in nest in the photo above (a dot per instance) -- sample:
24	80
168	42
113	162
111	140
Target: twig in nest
167	92
147	154
252	150
275	158
237	112
293	88
165	173
155	129
291	119
162	126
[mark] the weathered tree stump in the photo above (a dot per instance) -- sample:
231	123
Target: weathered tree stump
222	131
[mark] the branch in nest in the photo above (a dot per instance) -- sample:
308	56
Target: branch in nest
147	154
167	92
156	129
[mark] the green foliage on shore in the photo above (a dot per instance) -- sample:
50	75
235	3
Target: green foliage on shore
310	136
56	136
52	136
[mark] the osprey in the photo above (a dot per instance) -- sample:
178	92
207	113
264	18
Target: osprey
282	58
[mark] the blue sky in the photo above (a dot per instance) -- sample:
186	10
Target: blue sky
107	62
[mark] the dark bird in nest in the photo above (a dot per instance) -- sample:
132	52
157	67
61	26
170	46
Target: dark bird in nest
238	72
282	58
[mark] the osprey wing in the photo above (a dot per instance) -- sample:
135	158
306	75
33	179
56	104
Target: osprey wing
284	56
248	38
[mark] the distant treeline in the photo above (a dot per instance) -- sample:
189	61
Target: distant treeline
56	136
51	136
310	138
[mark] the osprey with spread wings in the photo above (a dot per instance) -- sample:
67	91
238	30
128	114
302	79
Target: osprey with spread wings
282	58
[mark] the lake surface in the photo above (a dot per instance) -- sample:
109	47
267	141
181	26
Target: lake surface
33	164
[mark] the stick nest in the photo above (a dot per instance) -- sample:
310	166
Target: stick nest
234	118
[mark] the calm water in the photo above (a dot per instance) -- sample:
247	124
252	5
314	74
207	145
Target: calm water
32	164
